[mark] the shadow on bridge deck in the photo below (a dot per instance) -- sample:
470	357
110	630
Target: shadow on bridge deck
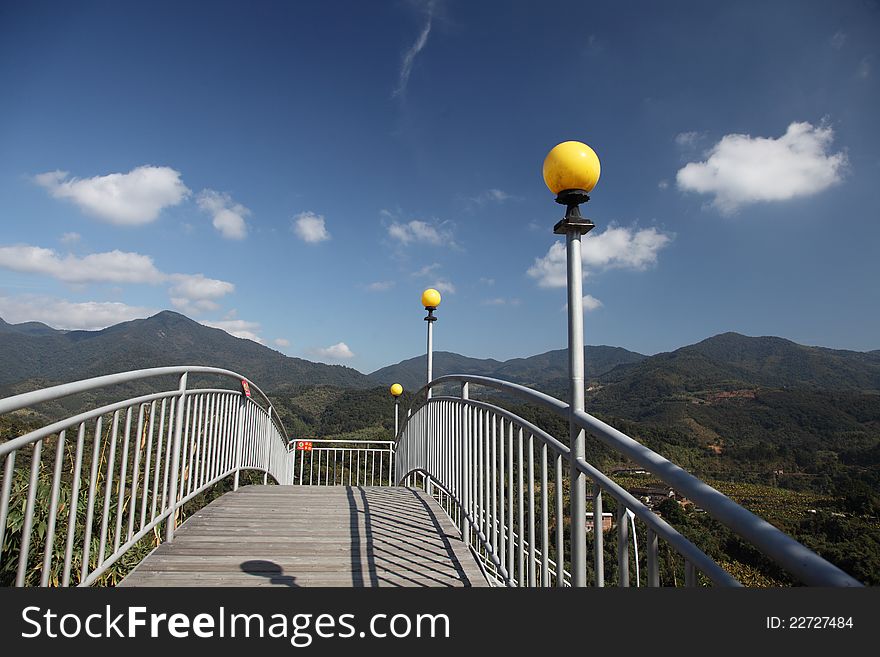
313	536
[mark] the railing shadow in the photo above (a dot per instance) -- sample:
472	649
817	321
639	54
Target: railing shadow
400	542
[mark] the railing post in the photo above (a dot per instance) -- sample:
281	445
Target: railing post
463	465
598	536
239	431
175	460
267	446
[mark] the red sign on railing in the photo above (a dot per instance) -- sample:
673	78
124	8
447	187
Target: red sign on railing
245	388
304	445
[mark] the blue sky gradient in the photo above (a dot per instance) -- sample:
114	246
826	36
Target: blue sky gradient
320	163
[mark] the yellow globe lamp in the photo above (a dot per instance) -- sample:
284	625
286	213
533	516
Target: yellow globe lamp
571	165
396	390
430	298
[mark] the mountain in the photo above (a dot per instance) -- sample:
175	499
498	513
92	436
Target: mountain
35	351
547	369
735	360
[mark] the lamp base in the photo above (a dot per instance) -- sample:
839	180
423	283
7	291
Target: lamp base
573	221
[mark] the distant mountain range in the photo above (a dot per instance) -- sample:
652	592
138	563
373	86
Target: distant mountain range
548	370
35	351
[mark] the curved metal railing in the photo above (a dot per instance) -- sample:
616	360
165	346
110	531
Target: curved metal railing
122	469
482	460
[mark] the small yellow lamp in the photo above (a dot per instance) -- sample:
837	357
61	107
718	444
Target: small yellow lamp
571	171
430	299
396	390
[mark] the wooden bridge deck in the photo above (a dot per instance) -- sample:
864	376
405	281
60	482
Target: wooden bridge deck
314	536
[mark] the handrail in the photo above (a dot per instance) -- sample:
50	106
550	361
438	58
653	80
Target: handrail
784	550
52	393
136	463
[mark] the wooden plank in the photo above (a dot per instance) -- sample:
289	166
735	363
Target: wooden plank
313	536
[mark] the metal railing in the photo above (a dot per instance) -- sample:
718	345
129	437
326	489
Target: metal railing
121	470
505	482
344	463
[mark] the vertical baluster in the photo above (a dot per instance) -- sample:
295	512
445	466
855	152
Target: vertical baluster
532	538
598	536
502	547
653	571
522	515
560	543
53	509
74	500
493	488
136	472
185	467
511	545
195	442
25	545
157	469
622	545
90	507
120	493
108	487
148	464
545	529
8	469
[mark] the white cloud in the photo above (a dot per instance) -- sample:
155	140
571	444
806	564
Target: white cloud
420	232
281	342
62	314
838	40
591	302
865	68
663	184
338	351
109	267
70	238
741	169
125	199
310	227
410	55
238	328
228	215
487	281
380	286
443	285
194	294
190	293
198	286
614	248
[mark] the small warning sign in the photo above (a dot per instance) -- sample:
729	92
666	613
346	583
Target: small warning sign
304	445
245	388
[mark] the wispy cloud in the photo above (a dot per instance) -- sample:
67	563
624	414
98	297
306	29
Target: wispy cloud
409	56
444	285
125	199
228	216
380	286
310	227
281	342
501	301
741	169
70	238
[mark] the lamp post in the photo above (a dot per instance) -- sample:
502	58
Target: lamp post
396	392
430	300
571	170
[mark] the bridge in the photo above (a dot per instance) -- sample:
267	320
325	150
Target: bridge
186	476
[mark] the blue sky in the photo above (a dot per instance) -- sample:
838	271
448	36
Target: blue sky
298	172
